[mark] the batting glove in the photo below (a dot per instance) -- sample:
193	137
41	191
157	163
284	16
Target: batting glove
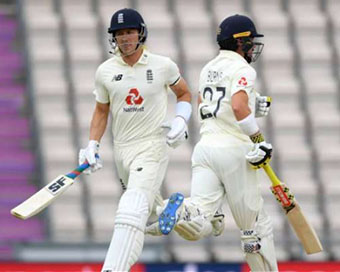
262	105
89	154
178	132
260	154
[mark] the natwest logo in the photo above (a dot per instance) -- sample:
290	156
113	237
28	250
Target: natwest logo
243	81
134	98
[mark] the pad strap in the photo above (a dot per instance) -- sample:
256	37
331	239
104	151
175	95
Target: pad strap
250	241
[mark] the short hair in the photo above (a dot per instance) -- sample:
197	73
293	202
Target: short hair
228	44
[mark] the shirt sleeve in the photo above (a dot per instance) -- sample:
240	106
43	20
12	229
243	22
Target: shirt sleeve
100	92
243	79
172	73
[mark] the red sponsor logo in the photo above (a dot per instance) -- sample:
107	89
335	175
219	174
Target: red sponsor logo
134	98
282	195
243	81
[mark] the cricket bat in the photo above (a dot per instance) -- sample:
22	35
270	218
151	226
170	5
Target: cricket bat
45	196
303	229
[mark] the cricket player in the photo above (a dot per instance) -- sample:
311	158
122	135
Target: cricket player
231	145
133	85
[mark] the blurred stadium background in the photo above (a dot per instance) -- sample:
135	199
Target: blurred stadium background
49	51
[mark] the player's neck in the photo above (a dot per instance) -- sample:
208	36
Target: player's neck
133	58
240	51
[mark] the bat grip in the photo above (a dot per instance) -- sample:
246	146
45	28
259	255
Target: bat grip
76	172
271	174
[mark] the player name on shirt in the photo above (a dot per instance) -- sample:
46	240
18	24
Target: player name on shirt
214	76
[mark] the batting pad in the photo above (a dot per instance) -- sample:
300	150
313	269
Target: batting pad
128	237
265	259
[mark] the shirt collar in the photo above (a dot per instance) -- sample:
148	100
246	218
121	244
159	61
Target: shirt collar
144	57
232	55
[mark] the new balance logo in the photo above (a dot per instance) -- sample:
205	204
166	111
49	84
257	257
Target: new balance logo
117	77
120	18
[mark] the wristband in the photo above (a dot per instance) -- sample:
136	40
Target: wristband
94	143
249	125
184	109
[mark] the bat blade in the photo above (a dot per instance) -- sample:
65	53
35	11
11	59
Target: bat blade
42	198
304	230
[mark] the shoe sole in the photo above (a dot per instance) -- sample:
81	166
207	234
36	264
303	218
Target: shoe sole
167	218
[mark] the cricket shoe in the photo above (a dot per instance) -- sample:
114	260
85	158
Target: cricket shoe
169	216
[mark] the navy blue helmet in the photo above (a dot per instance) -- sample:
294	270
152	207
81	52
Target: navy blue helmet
128	18
237	26
242	28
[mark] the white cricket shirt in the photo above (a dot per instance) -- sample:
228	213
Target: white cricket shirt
220	78
138	95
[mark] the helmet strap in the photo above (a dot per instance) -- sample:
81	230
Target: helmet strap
246	45
116	50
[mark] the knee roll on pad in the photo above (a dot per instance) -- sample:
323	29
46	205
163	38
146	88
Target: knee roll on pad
251	243
133	209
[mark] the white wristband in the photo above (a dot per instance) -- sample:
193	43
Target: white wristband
94	143
248	125
184	110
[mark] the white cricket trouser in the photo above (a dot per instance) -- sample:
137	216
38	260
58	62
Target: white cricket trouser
220	171
141	166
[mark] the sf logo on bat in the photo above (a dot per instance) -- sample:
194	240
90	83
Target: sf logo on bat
57	185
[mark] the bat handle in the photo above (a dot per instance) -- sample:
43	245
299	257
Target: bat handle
76	172
271	174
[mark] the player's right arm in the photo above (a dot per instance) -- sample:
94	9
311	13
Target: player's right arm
239	104
261	153
242	85
97	127
99	121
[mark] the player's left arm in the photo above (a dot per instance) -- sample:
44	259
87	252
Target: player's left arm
199	100
179	128
181	90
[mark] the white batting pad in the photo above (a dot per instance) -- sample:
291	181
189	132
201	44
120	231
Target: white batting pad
128	237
